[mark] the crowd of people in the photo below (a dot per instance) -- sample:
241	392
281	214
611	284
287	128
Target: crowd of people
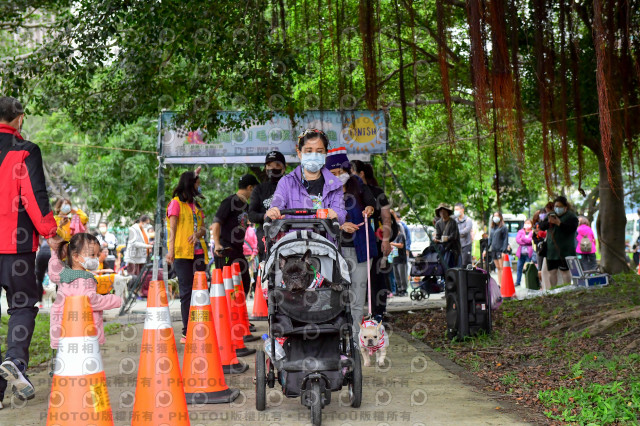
374	240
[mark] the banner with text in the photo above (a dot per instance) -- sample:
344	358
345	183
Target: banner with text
362	132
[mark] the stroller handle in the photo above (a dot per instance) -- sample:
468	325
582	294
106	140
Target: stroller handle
299	212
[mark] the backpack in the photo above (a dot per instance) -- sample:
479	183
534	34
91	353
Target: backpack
585	245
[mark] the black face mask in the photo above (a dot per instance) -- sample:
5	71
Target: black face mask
274	175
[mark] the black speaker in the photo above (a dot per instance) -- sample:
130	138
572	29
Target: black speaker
468	302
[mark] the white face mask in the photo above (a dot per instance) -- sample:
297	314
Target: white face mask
90	264
312	161
65	209
457	213
103	229
344	177
496	219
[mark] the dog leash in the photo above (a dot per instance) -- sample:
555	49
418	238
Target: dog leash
366	231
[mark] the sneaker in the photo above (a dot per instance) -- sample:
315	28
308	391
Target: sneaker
20	383
183	339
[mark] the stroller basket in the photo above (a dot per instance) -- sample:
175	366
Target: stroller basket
311	307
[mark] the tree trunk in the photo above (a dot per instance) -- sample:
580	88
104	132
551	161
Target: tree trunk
612	221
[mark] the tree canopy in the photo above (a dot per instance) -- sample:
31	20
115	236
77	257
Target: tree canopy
490	102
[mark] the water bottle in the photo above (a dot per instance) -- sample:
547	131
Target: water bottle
280	354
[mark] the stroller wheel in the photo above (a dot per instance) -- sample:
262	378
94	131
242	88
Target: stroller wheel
355	383
414	295
316	404
261	382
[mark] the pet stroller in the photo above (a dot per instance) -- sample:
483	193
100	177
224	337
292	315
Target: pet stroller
313	326
432	270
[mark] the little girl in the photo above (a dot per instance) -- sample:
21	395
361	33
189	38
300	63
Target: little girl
74	278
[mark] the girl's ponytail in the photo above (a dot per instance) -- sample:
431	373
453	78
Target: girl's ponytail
63	251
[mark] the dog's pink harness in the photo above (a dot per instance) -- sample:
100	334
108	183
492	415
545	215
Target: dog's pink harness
372	349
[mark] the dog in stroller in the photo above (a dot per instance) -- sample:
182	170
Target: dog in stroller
311	347
432	270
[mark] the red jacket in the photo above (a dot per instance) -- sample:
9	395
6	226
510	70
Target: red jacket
24	202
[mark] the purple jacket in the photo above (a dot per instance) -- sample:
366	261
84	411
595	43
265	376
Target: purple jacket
291	194
524	240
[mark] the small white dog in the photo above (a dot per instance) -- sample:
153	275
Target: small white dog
373	340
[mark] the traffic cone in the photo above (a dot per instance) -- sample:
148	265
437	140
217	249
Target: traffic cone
260	310
160	395
241	305
638	268
507	289
221	320
201	367
236	336
79	387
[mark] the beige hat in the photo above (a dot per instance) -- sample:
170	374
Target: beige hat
445	206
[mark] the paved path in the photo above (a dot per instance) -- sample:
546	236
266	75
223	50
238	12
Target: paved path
413	391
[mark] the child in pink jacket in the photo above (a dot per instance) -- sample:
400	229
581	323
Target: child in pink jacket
74	278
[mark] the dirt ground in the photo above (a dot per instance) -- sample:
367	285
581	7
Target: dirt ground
572	356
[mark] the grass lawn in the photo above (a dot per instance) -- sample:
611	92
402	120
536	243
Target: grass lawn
40	351
573	356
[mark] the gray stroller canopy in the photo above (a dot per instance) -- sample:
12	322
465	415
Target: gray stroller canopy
298	242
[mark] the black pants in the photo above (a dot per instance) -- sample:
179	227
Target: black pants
236	257
42	263
380	284
185	269
18	279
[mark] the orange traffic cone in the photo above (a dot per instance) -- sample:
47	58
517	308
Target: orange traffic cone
201	367
160	396
507	289
241	304
79	387
221	320
236	335
260	310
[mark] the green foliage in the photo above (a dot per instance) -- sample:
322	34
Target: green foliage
595	403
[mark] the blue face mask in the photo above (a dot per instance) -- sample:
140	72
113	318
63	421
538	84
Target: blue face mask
312	161
560	210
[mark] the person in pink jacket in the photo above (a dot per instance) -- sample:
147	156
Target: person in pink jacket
586	245
74	278
525	248
250	250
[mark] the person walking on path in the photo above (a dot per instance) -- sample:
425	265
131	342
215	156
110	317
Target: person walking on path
448	235
138	245
186	248
275	166
381	221
465	229
498	242
310	185
70	220
25	214
359	202
250	250
561	226
229	229
586	245
524	238
107	239
400	282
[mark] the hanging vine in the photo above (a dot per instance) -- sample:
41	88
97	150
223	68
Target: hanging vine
602	70
539	19
577	106
515	64
444	68
403	97
367	31
478	61
562	125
